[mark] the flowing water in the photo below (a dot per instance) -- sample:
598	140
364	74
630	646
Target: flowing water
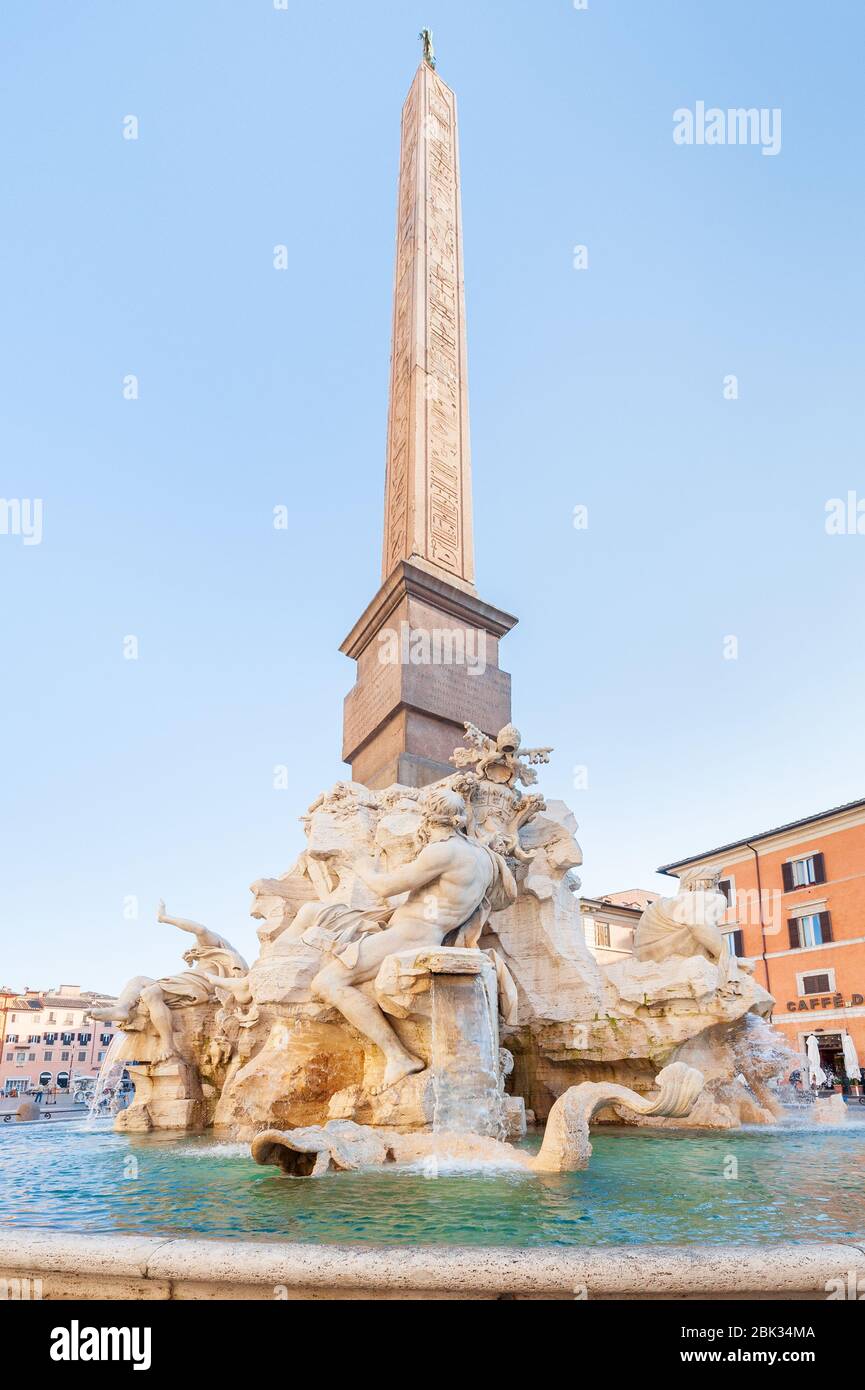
799	1184
468	1096
110	1075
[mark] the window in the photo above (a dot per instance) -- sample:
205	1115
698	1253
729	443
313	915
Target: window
82	1056
105	1038
602	933
64	1056
736	943
813	929
816	984
63	1080
100	1057
31	1056
801	873
48	1056
8	1056
44	1078
11	1037
725	886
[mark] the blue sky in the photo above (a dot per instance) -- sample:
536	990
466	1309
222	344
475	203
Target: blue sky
604	387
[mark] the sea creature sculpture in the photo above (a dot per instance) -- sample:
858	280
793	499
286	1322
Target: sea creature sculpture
343	1145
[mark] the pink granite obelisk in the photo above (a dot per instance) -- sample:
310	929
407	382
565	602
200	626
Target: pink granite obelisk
426	647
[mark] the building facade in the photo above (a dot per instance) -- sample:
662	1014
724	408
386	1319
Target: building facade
796	899
48	1041
609	923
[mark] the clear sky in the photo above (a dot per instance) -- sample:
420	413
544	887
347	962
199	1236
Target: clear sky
604	387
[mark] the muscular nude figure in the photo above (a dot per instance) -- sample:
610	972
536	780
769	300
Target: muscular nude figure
446	883
143	999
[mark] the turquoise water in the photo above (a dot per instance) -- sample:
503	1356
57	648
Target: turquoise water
642	1187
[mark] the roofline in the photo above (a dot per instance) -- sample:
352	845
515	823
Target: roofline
763	835
613	907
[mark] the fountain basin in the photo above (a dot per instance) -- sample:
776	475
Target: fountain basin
74	1266
644	1188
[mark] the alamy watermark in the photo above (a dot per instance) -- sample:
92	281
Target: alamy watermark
437	646
24	1290
738	125
847	1287
77	1343
845	516
22	516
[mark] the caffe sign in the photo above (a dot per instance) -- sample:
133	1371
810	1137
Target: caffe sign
824	1001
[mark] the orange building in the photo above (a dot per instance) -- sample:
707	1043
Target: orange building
797	913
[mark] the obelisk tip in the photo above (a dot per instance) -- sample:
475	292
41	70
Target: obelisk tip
429	54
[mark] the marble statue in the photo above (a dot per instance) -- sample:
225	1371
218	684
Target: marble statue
500	759
566	1147
450	881
688	924
145	1005
426	943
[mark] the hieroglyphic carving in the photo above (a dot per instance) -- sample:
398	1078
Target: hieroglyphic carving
428	499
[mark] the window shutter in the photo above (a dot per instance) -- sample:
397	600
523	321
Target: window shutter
793	929
738	943
819	868
787	875
826	925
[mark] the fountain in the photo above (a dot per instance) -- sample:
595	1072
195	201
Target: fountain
422	967
423	988
423	972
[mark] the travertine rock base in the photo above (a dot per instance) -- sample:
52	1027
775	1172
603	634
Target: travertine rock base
168	1095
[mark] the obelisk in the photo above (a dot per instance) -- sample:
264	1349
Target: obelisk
427	646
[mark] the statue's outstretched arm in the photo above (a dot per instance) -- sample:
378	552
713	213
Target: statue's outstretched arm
236	985
408	877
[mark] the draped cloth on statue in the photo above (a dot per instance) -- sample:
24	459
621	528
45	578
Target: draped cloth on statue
339	930
188	988
686	925
192	986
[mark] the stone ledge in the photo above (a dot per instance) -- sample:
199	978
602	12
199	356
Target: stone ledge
440	593
73	1266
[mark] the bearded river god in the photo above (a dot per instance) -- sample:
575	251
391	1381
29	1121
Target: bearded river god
453	884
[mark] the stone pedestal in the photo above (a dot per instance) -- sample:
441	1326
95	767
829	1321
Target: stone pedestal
427	654
167	1096
464	1033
